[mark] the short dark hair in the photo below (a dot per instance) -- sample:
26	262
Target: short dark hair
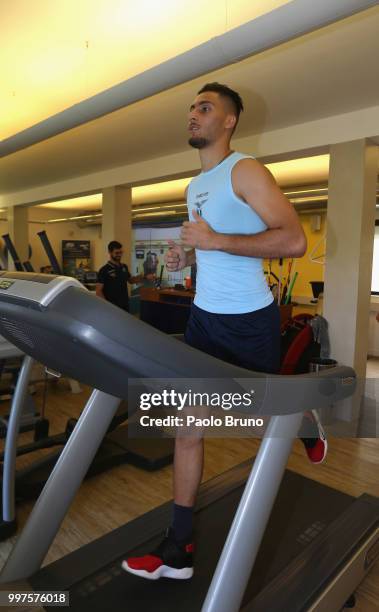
113	245
225	92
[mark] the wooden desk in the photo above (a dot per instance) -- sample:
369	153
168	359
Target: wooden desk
169	309
166	309
167	296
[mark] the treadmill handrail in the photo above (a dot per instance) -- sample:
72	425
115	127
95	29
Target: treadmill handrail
104	347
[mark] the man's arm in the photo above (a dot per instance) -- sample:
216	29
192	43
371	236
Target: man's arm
190	257
254	184
99	290
133	280
177	258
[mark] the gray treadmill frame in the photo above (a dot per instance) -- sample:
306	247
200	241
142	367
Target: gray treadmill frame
246	531
251	518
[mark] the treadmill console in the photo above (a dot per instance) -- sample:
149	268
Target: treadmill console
35	287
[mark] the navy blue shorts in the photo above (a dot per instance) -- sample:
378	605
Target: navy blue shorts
250	340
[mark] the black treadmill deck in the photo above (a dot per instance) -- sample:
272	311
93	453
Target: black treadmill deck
304	509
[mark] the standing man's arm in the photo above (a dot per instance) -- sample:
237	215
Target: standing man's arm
254	184
100	284
135	279
99	290
139	278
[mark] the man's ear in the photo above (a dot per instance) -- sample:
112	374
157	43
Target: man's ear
230	122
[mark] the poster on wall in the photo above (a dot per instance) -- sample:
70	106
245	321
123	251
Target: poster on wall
76	257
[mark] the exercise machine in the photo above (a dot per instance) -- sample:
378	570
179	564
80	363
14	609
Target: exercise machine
26	265
28	482
319	543
10	363
49	252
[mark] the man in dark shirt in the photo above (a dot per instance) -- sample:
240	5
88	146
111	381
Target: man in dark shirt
113	278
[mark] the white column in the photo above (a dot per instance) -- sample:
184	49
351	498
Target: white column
349	249
117	220
19	232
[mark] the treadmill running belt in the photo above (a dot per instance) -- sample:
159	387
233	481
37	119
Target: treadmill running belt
302	511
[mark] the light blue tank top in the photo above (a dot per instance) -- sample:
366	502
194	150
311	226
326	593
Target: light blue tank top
225	283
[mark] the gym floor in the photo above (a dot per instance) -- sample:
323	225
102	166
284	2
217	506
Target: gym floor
125	492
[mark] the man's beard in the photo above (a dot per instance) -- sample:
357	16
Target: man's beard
197	143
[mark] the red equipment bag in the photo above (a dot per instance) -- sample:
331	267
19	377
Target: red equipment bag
298	346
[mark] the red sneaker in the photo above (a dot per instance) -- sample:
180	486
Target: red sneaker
168	560
317	447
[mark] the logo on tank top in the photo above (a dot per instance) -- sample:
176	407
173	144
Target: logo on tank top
201	199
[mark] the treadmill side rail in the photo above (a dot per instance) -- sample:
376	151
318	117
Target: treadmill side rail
233	570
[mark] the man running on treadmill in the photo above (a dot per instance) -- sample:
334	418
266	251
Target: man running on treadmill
237	217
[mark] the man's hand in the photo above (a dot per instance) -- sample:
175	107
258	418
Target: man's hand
176	257
198	234
135	280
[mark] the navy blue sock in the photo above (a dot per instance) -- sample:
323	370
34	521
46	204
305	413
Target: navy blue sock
182	523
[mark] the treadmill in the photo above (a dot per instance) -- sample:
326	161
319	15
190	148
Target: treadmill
317	543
